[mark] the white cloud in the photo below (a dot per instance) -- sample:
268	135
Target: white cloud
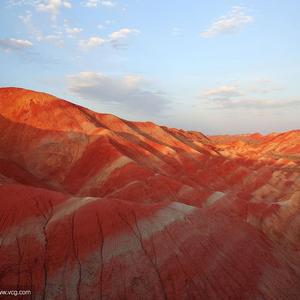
123	33
96	3
260	94
53	6
56	39
232	22
14	44
127	93
254	103
73	31
92	42
117	38
107	3
223	91
12	3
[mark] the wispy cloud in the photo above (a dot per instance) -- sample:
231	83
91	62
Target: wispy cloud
129	92
71	31
96	3
14	3
91	42
105	24
260	94
55	37
116	39
15	44
254	103
34	31
56	33
53	6
123	33
176	31
223	91
26	18
263	86
236	19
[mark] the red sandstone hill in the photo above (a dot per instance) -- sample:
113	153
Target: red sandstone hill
96	207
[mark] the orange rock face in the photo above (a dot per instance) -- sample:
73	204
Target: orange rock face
96	207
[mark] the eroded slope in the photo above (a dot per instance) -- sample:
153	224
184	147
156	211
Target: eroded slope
94	206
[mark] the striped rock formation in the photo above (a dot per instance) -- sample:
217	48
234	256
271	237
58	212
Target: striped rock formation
96	207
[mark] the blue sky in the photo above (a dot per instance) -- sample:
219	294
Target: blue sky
212	66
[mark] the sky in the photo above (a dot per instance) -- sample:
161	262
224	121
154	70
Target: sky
218	66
